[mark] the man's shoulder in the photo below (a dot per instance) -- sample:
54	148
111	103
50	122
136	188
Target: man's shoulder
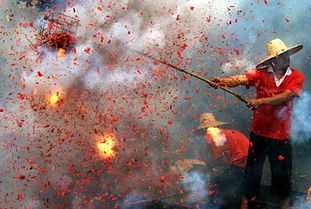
236	138
296	72
257	72
233	133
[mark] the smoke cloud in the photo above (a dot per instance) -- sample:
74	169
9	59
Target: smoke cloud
301	124
301	203
195	184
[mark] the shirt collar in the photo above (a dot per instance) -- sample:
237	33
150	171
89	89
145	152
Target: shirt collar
288	71
278	82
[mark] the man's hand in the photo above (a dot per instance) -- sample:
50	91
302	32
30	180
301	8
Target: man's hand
255	103
274	100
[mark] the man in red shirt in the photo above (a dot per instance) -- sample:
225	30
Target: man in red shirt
277	84
228	150
230	145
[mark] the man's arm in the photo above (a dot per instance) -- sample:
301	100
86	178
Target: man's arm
274	100
231	81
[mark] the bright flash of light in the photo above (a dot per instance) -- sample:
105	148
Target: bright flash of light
54	98
217	136
61	54
106	146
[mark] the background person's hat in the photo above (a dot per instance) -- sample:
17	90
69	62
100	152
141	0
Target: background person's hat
275	48
208	120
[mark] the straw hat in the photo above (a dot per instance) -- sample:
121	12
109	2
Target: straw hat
208	120
275	48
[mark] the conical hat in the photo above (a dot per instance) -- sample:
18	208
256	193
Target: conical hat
208	120
275	48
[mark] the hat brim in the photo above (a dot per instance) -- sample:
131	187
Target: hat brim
290	51
215	124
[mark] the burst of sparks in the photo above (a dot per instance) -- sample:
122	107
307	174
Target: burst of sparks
61	54
106	146
218	138
54	98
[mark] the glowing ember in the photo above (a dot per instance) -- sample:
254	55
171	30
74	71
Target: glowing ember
106	146
218	138
54	98
61	54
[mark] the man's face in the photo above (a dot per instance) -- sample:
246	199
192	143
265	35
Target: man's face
280	63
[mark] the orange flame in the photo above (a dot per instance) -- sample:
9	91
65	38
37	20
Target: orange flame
218	138
106	146
61	54
54	98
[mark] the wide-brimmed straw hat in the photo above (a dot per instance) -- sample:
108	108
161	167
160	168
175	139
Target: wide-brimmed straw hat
275	48
208	120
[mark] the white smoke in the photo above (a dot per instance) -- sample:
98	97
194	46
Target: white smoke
301	120
301	203
134	200
195	183
153	37
33	204
127	29
237	66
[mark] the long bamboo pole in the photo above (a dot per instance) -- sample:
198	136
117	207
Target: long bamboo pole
211	83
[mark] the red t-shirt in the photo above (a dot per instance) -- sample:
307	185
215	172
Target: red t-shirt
273	121
234	150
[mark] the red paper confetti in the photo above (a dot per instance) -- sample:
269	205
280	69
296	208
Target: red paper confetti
281	157
39	74
88	50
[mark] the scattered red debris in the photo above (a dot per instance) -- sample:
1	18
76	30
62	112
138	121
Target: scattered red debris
21	177
281	157
177	17
62	40
209	19
20	96
162	179
25	24
22	57
237	51
19	123
20	196
88	50
39	74
159	73
181	50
